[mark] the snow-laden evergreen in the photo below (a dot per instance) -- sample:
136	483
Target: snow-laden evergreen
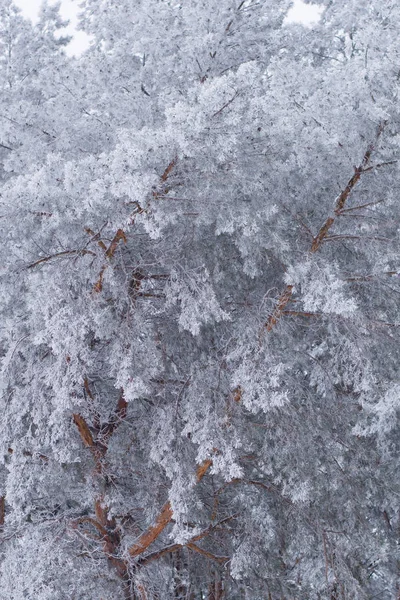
200	288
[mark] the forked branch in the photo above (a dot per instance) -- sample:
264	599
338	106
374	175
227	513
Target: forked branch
322	235
343	197
121	235
163	519
191	544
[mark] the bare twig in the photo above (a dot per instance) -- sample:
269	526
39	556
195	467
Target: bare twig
360	206
81	252
226	105
297	313
372	276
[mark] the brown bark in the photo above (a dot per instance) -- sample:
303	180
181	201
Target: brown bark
106	526
168	170
190	544
152	533
163	519
219	559
96	237
343	197
283	301
84	431
216	588
58	255
322	234
202	469
121	235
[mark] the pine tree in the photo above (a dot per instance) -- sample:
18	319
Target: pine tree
199	293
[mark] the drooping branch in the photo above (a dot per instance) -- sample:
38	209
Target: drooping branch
219	559
81	520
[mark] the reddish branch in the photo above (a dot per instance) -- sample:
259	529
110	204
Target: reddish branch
169	169
96	238
191	544
219	559
202	469
105	525
152	533
121	235
98	446
283	301
84	431
342	199
322	235
163	519
82	520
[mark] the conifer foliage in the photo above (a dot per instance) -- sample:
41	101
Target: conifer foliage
200	318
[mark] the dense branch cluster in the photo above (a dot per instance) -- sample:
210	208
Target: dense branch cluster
199	292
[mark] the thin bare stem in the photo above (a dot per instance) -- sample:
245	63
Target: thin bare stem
45	259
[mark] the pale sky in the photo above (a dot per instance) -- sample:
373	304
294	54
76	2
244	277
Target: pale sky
307	14
69	10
